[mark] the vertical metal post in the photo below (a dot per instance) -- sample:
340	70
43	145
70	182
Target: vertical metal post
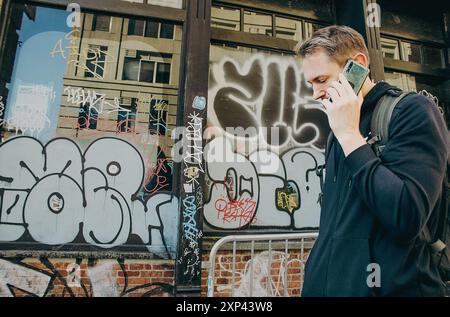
234	269
190	184
286	255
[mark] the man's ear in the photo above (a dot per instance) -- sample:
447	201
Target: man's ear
361	59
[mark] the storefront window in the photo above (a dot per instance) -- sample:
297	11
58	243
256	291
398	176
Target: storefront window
105	106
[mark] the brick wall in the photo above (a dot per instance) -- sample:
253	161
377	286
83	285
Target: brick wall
85	277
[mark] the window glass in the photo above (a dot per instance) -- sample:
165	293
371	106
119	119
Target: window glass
136	27
152	29
166	31
89	97
101	23
163	73
432	56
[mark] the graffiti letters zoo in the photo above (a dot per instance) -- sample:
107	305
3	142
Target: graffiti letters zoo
55	195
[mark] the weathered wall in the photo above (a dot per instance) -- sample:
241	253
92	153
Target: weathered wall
80	277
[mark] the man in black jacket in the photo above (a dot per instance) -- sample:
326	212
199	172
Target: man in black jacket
374	208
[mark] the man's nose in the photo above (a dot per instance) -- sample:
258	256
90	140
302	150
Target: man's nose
319	93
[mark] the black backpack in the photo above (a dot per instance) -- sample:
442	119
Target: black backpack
381	117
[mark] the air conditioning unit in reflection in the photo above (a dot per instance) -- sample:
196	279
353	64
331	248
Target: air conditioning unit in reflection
131	53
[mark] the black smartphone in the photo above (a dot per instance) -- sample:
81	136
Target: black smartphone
356	74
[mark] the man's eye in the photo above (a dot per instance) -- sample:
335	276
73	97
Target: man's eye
321	81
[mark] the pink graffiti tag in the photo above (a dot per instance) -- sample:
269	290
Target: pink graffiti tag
241	209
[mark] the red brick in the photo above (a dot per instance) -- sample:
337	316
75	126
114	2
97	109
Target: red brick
151	274
132	273
136	267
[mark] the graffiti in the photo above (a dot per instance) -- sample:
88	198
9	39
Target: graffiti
2	109
240	211
29	114
269	277
103	280
158	115
55	193
194	149
13	276
45	278
95	56
264	93
73	37
97	101
160	174
189	223
193	197
242	194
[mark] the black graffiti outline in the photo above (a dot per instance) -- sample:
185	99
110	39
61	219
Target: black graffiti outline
249	225
82	187
54	274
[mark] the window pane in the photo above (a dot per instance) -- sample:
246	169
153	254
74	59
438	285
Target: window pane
152	29
93	118
90	64
136	27
83	116
163	73
411	52
225	18
288	29
131	69
101	23
45	96
147	71
257	23
158	116
167	31
126	120
390	48
95	62
432	56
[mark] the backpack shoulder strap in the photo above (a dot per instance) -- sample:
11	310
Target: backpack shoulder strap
381	119
330	140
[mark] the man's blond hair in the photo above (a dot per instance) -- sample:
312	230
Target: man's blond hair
339	42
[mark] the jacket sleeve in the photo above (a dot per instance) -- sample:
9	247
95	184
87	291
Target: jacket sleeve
403	186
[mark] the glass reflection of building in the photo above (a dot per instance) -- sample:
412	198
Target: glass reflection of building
121	78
